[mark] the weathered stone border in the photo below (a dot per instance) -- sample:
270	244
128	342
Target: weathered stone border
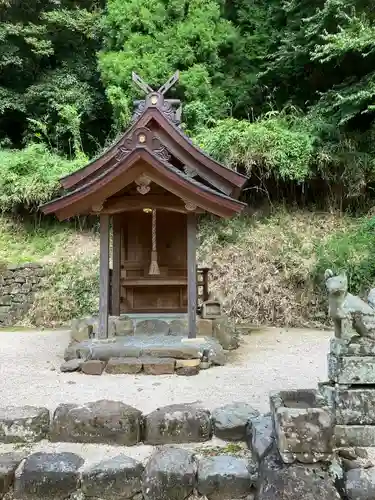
169	473
116	423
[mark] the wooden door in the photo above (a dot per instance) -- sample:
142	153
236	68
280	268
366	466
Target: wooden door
166	292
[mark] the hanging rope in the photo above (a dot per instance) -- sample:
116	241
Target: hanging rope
154	267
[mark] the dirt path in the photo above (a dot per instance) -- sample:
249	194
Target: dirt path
267	360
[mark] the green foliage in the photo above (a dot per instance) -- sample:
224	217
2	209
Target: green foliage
279	145
26	240
351	250
30	177
48	65
157	37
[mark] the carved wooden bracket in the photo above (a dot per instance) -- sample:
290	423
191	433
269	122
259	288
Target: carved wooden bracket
142	137
143	184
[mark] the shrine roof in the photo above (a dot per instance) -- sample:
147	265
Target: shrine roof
154	145
142	162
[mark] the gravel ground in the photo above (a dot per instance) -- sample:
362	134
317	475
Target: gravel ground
270	359
267	360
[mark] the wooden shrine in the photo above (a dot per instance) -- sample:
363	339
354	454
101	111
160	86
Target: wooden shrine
148	188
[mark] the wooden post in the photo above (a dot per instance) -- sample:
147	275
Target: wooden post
104	276
192	274
116	258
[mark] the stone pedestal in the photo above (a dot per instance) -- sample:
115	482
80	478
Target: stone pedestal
351	391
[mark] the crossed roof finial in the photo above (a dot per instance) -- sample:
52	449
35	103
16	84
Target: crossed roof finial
163	89
167	106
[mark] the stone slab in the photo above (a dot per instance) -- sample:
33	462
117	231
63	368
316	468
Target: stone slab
73	365
187	371
113	479
230	421
357	347
351	370
180	423
170	474
355	435
123	365
355	406
107	422
93	367
23	424
224	477
158	366
158	346
52	476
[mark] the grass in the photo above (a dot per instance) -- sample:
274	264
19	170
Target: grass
25	241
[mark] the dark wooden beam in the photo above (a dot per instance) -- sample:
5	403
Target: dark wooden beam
138	202
192	274
116	258
104	277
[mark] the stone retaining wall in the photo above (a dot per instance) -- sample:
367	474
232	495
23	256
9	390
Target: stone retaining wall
18	285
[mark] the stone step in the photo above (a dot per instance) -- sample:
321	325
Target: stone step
62	470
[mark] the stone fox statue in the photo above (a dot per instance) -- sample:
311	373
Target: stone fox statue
352	316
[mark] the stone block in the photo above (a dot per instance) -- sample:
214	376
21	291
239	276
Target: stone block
174	424
224	477
158	366
187	371
178	327
52	476
204	327
355	435
108	422
124	365
187	363
170	474
73	365
260	436
355	406
23	424
112	479
351	370
229	422
295	482
93	367
8	465
152	327
123	326
360	484
303	427
357	347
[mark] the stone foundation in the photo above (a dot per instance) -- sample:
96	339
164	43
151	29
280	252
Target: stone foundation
18	285
219	328
153	354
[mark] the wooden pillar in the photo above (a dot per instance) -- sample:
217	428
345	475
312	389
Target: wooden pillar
192	274
104	276
116	259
